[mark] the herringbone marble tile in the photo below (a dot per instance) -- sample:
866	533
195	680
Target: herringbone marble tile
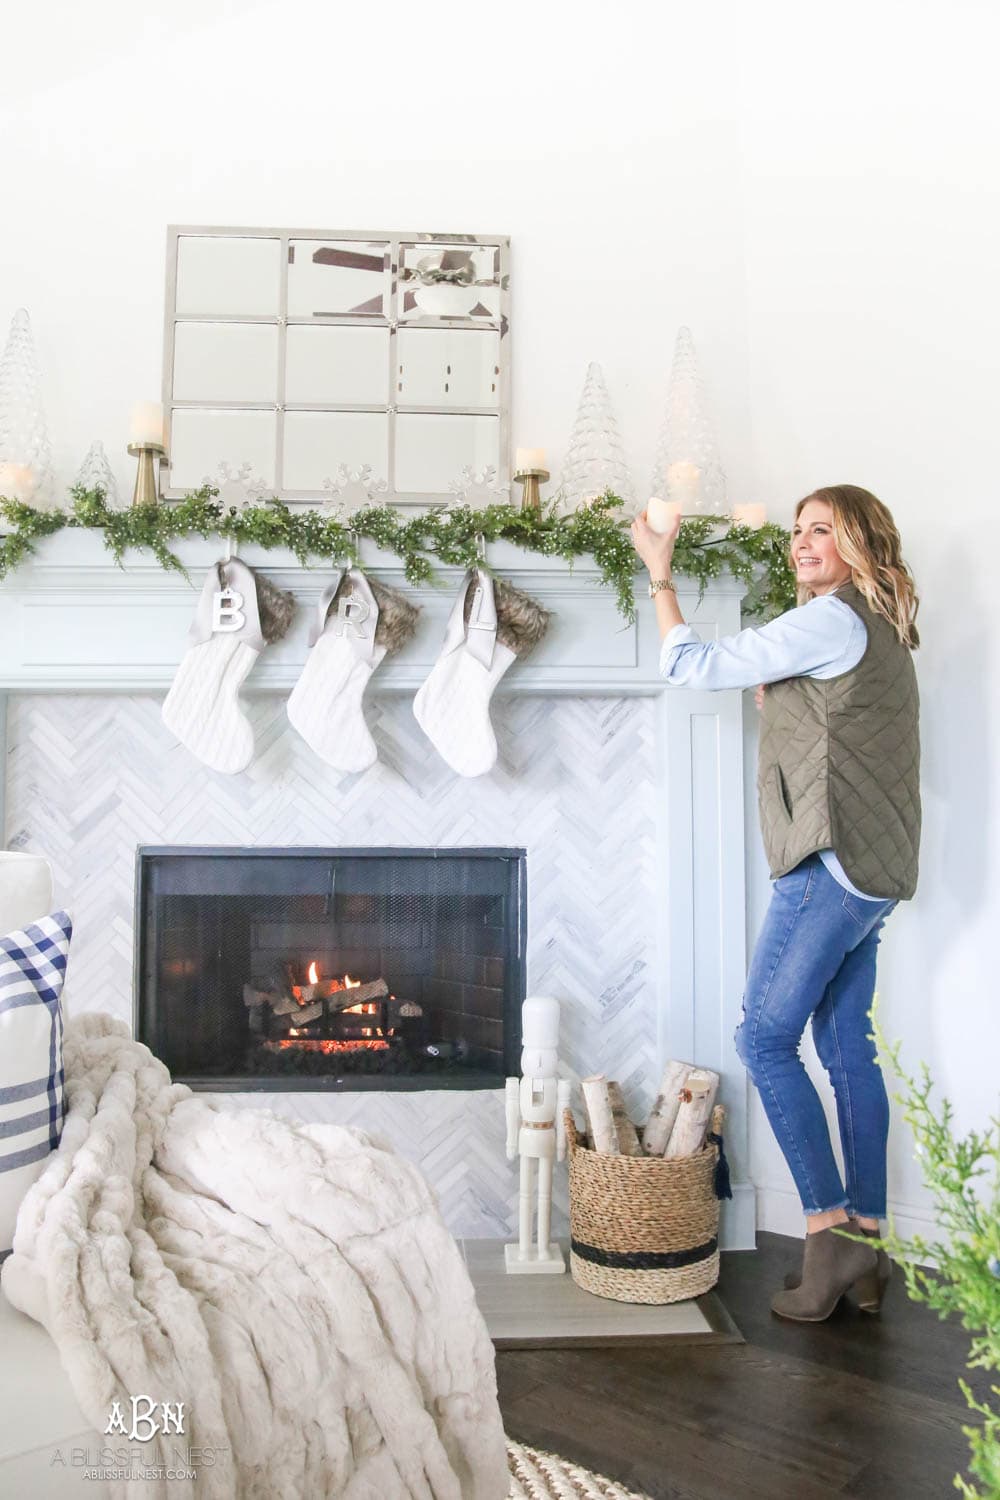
89	779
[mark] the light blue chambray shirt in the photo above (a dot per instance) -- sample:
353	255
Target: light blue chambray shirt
824	638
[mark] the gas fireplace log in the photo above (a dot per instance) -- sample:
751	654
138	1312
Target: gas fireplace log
694	1113
600	1118
284	1005
358	994
664	1112
628	1138
252	997
306	1013
299	1015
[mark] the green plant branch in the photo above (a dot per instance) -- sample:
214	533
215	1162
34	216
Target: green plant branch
963	1175
448	536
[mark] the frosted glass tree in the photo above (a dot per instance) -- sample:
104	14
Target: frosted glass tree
25	451
687	466
95	474
595	459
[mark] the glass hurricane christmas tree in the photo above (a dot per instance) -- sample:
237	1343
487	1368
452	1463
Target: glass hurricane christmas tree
687	466
25	451
595	459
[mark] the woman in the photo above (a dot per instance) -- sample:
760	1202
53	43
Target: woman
839	796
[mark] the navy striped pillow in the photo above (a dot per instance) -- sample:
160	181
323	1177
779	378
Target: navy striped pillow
32	971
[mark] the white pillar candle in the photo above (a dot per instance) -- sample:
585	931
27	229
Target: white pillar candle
660	513
17	481
750	515
146	423
529	458
683	482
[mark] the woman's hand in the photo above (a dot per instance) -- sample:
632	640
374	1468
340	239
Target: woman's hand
655	548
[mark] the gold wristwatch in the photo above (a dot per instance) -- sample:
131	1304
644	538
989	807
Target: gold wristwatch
656	584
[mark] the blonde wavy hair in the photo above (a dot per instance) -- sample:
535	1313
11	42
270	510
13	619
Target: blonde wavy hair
866	538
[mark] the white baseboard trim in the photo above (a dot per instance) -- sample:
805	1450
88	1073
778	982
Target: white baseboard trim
780	1212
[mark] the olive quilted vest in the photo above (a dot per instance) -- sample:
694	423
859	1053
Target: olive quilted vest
839	765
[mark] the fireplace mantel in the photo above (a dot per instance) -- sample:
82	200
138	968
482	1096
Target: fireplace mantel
71	621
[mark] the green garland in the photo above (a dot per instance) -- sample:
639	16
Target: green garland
447	535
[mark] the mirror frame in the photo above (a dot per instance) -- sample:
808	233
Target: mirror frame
393	242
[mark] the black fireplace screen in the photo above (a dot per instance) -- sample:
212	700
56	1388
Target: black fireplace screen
316	969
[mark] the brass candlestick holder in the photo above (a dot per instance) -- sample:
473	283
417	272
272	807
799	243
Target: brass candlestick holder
147	484
531	498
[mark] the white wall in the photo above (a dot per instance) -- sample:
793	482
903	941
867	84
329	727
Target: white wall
872	231
814	192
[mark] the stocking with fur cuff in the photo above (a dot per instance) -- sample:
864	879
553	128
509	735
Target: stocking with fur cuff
491	625
238	614
368	621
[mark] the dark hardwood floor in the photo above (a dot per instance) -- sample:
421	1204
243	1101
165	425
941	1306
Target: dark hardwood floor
860	1406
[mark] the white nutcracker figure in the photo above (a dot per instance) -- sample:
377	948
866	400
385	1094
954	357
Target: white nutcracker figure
535	1133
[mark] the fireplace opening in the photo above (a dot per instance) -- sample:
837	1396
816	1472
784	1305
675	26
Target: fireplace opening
331	968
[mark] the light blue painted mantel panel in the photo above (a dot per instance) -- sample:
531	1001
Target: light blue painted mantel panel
71	622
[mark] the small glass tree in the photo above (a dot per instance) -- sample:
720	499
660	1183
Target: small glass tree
96	474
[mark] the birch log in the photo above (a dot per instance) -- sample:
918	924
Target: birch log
600	1118
694	1114
664	1111
628	1138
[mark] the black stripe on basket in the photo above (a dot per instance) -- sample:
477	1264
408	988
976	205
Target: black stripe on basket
645	1260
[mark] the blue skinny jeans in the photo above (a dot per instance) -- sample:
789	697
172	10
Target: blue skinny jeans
815	957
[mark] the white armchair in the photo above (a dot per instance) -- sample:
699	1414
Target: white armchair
38	1411
25	889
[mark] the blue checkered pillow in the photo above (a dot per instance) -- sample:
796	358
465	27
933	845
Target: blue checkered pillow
32	970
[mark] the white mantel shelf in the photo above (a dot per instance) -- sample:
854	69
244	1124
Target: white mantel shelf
71	621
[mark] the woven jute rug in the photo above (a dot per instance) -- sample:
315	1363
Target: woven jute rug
543	1476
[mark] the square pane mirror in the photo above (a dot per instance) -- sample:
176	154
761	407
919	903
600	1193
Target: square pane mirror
202	439
298	351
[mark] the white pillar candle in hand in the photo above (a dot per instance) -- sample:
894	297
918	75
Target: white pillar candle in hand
660	513
750	515
683	482
146	423
529	458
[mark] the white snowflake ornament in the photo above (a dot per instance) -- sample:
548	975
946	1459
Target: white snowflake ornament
239	489
479	488
353	489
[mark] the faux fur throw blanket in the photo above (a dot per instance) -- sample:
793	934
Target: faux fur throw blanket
293	1286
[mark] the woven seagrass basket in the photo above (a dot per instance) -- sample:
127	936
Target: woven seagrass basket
643	1229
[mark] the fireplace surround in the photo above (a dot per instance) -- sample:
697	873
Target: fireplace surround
354	968
628	799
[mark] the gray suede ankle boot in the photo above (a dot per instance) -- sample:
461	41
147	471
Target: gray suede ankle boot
830	1264
869	1289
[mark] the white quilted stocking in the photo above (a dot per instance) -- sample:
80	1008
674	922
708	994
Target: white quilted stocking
325	704
202	707
453	706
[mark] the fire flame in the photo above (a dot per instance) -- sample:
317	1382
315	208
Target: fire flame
351	984
313	974
308	1044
